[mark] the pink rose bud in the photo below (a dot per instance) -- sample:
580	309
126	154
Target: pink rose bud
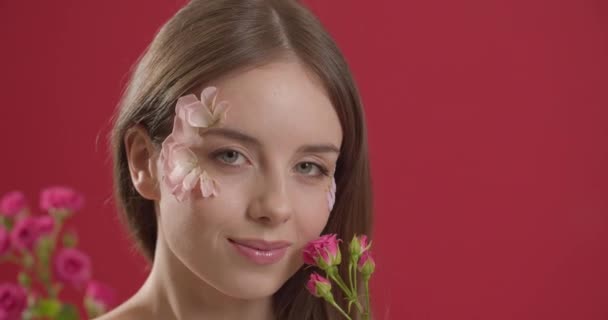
13	301
5	243
46	224
323	252
366	264
101	295
358	246
12	203
73	267
319	286
54	198
25	233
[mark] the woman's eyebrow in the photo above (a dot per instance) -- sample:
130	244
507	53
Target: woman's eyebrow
319	148
247	139
232	134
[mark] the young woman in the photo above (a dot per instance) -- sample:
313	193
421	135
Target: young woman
240	138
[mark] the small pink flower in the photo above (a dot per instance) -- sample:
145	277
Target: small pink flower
13	301
323	252
46	224
12	203
204	113
180	164
72	267
181	168
5	243
366	264
28	230
25	233
101	295
61	198
318	286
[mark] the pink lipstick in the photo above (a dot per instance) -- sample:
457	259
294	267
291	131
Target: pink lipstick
260	251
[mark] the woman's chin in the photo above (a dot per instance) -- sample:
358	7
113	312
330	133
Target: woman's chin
253	291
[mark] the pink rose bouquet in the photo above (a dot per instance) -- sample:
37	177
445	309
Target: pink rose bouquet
48	258
324	253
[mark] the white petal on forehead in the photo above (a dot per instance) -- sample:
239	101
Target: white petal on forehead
208	95
198	116
184	102
185	134
220	111
187	99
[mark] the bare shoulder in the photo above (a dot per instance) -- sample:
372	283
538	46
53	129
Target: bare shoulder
127	311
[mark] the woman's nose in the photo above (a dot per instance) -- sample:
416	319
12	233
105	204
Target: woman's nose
272	205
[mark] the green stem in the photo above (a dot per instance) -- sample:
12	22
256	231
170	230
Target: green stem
338	280
356	290
367	310
350	274
333	303
355	279
44	274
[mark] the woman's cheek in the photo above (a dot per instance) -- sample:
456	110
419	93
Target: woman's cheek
311	212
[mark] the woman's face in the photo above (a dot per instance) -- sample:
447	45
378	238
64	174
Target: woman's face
273	160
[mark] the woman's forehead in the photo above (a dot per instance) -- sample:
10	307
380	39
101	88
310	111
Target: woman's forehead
280	103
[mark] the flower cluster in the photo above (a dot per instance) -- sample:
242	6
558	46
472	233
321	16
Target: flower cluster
180	164
324	253
45	265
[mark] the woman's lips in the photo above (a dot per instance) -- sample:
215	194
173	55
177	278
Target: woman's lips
260	251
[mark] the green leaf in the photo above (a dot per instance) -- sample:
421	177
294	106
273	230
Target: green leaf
47	308
24	279
70	240
68	312
4	222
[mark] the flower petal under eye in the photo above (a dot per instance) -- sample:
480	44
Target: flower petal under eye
209	186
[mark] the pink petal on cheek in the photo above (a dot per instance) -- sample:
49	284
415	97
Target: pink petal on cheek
179	193
177	175
191	179
208	186
331	194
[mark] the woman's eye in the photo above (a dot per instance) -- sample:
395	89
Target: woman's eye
231	157
310	169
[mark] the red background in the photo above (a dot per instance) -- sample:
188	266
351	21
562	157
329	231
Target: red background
488	126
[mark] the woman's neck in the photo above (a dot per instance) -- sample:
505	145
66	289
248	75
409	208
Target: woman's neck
174	292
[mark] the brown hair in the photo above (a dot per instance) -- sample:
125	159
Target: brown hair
208	39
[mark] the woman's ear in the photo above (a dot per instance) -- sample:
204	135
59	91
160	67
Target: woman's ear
141	155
